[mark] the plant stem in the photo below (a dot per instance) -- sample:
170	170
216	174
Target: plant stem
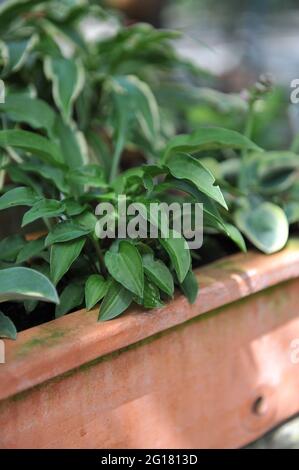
100	256
244	153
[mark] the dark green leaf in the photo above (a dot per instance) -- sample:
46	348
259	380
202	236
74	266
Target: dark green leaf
31	250
62	257
64	232
18	197
178	252
95	289
125	266
71	297
190	287
116	301
33	143
209	138
184	167
158	273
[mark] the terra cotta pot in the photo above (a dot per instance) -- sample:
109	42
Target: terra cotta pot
218	373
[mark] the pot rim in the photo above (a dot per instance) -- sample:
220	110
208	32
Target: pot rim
52	349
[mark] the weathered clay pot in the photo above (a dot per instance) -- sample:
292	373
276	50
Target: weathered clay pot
219	373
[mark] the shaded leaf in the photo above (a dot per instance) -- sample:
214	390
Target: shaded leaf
125	266
95	289
158	273
178	252
116	301
62	257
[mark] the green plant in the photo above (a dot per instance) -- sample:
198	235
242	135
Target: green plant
72	107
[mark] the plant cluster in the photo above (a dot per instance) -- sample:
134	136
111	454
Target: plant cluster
75	110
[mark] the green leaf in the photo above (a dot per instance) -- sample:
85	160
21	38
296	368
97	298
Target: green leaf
72	143
151	297
178	252
10	247
18	52
25	283
65	231
62	257
31	250
190	287
266	226
67	77
95	289
125	266
116	301
209	138
134	98
158	273
44	208
7	328
233	233
33	143
11	10
33	111
73	208
48	172
18	197
184	167
91	175
72	296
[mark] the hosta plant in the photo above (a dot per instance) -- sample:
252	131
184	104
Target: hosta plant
74	107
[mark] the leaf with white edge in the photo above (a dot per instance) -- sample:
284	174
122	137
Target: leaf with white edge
31	250
12	10
158	273
67	77
25	283
185	167
266	226
10	247
7	328
134	96
178	251
95	289
151	296
209	138
65	231
62	257
72	143
32	111
116	301
44	208
18	52
32	143
190	287
125	266
71	297
18	197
